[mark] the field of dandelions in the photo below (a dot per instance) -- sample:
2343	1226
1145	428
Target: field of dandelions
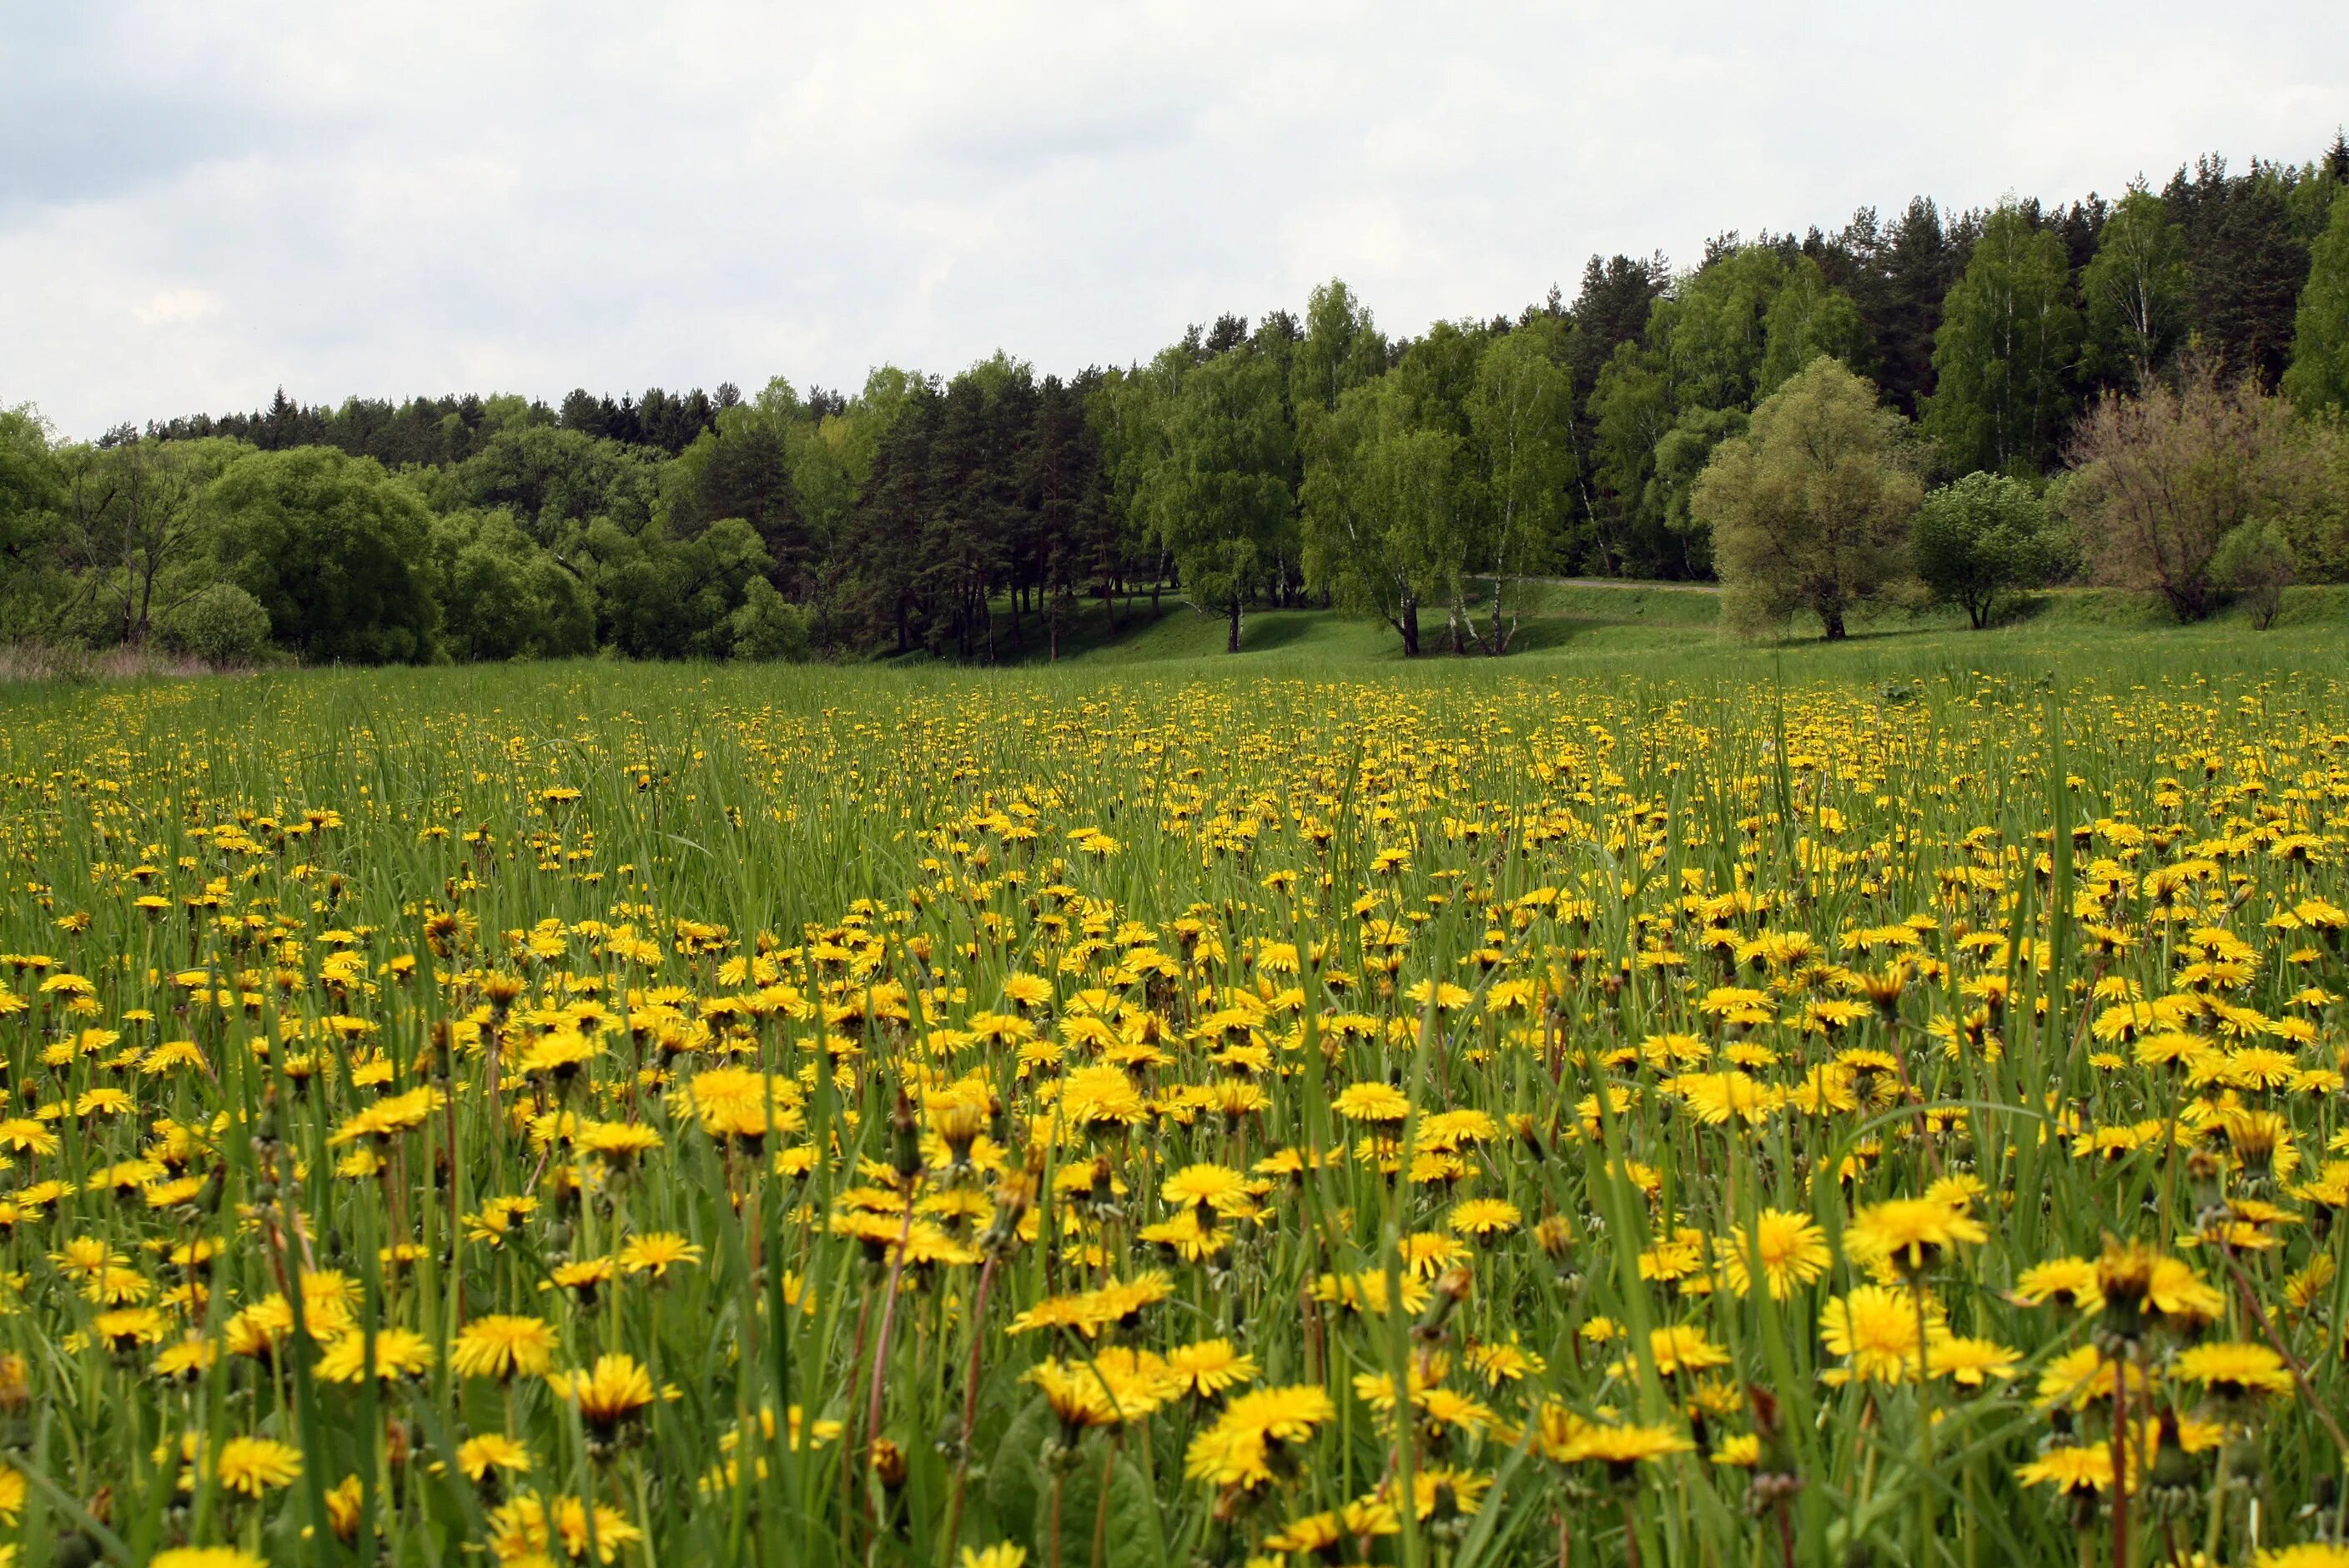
569	1115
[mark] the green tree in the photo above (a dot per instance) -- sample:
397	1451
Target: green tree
1630	410
335	549
2246	259
1809	317
2319	527
658	596
554	482
32	490
133	527
2135	286
1810	507
1133	416
1223	487
501	594
768	626
743	469
2319	374
1520	415
2007	343
1342	347
1380	507
1982	538
1725	336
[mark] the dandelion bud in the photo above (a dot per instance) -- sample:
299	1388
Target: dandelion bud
1452	1287
888	1463
906	1142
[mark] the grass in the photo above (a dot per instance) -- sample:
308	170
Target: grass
1582	622
1072	1102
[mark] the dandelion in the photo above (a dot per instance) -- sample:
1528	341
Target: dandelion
252	1466
1792	1248
616	1389
503	1346
1876	1332
399	1353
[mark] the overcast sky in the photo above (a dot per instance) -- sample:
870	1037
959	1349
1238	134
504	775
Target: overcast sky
198	203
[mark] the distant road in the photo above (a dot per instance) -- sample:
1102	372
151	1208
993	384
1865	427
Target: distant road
1625	583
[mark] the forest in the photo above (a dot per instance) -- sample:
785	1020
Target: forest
2146	391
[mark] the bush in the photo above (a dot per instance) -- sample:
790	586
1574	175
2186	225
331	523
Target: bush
221	625
768	625
2254	563
2161	479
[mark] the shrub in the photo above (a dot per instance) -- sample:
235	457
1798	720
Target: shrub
2254	563
768	625
2160	479
221	625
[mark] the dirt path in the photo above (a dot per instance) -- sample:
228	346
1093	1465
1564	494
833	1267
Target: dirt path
1625	583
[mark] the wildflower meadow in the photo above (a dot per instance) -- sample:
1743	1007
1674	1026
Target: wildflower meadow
580	1114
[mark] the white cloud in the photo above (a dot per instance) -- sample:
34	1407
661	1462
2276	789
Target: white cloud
395	199
176	307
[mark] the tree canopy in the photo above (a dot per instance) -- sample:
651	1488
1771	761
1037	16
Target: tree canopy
1309	456
1810	507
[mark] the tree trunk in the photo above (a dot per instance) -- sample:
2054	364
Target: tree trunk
1833	617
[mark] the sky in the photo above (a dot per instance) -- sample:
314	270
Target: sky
201	203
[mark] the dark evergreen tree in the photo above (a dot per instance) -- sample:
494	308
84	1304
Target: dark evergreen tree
2245	264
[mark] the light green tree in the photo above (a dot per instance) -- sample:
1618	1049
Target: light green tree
1726	335
1518	429
1382	507
2135	287
133	528
502	595
2008	339
2255	564
1223	487
768	626
1810	507
1809	317
1133	416
1342	347
337	551
32	490
1981	538
2318	376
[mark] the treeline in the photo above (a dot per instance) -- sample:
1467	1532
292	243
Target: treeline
437	430
1296	459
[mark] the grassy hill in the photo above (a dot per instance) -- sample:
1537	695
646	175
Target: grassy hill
1579	622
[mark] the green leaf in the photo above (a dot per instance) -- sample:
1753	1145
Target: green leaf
1015	1483
1129	1535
